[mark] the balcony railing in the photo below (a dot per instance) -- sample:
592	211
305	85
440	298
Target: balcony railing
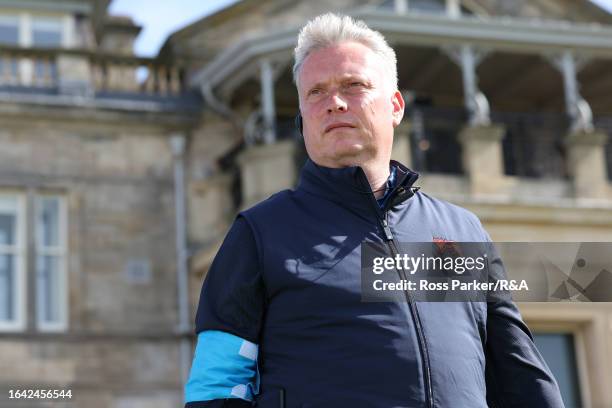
533	144
433	139
605	124
70	71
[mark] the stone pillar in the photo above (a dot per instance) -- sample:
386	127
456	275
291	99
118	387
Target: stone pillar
400	6
210	207
587	164
402	151
74	75
267	100
476	103
453	8
265	170
482	158
576	106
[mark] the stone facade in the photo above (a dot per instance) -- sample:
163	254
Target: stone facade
100	140
118	186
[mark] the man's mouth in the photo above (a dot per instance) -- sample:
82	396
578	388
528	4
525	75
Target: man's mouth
338	125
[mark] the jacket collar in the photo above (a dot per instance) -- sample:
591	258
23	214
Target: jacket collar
349	186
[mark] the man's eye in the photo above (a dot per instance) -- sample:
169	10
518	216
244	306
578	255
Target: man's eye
354	84
314	92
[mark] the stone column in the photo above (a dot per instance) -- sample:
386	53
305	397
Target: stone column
476	103
265	170
587	164
400	6
210	207
482	158
74	75
453	8
267	100
576	106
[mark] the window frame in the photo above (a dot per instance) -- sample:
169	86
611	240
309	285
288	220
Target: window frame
61	251
27	75
586	328
575	346
26	21
53	19
20	252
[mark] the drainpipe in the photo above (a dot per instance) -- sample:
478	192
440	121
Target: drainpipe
177	143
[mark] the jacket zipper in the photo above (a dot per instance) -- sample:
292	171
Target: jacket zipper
390	240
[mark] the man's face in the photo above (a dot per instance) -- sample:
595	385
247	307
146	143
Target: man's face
348	107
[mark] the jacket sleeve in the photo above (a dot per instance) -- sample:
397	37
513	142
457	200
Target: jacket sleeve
224	371
516	373
220	403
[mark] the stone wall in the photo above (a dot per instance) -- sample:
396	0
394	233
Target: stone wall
120	349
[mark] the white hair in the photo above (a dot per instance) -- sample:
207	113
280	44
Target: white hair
332	29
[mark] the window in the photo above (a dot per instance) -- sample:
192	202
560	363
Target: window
50	263
11	262
559	353
429	6
9	35
38	31
46	32
29	30
9	30
46	274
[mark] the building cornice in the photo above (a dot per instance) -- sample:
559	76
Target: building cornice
420	29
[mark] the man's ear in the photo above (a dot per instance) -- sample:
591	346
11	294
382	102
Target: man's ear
398	107
298	123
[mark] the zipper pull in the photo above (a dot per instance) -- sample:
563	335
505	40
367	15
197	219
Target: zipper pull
386	229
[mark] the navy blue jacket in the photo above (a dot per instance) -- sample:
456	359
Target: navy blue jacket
288	279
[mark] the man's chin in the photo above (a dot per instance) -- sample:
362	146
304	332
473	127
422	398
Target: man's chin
351	157
349	150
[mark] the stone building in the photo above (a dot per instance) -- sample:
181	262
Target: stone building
510	107
87	250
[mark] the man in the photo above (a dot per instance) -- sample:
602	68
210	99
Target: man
281	322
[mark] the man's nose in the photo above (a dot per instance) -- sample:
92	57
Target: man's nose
337	104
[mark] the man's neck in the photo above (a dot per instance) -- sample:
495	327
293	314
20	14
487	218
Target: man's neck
377	177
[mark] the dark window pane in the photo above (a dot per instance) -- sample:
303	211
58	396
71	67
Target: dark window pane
604	124
436	6
46	33
558	351
433	139
609	159
7	288
48	219
41	38
9	31
7	229
533	144
48	289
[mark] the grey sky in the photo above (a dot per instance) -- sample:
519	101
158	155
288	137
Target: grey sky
161	18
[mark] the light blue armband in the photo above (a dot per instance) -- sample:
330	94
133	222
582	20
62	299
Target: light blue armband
224	366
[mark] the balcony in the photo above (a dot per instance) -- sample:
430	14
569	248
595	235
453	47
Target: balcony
81	77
